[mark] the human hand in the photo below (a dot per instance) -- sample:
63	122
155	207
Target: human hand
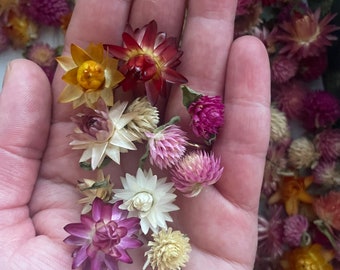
38	175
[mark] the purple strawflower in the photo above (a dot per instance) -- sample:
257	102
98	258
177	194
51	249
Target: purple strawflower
103	236
195	171
294	229
321	110
48	12
207	116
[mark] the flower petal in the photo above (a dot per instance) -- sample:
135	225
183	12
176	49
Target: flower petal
70	93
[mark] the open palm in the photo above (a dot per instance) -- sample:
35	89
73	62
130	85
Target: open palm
38	169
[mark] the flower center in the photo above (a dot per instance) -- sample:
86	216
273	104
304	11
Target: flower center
90	75
142	67
142	201
304	263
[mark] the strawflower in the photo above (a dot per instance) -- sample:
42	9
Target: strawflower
291	192
295	230
195	171
309	257
149	58
169	250
327	209
102	133
90	74
7	6
103	237
148	197
302	153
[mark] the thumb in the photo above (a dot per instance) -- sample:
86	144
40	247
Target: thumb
25	111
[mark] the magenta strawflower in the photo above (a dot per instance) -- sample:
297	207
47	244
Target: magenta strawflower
283	68
207	116
48	12
327	144
166	146
295	229
195	171
321	110
103	237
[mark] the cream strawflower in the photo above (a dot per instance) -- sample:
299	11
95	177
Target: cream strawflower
147	197
103	133
168	251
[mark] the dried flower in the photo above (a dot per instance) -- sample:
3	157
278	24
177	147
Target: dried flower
304	35
308	257
147	197
7	6
90	75
166	145
48	12
207	116
149	58
311	68
100	188
168	251
102	133
145	120
279	130
327	143
327	208
4	41
302	153
283	68
196	170
295	229
321	110
103	237
327	173
291	192
250	19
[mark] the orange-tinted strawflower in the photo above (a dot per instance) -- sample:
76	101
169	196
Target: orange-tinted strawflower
149	57
90	74
312	257
291	192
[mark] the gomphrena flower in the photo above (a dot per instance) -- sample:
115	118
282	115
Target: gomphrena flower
312	67
307	257
146	118
90	74
279	130
196	170
169	250
147	197
149	58
95	188
283	68
166	145
207	116
103	237
327	173
304	35
102	133
327	143
327	208
302	153
295	230
291	192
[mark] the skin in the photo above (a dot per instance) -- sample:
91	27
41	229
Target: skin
39	171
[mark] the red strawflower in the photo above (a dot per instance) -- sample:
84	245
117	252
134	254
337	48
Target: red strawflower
207	116
327	144
321	110
150	58
103	236
304	35
283	68
48	12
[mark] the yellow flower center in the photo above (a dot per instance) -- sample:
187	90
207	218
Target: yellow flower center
142	201
90	75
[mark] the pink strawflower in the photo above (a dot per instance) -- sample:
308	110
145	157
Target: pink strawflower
207	116
327	144
294	229
327	173
321	110
327	208
283	68
166	146
312	67
103	237
48	12
195	171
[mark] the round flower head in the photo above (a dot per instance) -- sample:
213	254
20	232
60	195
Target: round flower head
195	171
147	197
327	173
250	18
166	146
302	153
311	68
207	116
4	41
327	208
279	129
321	110
103	237
283	68
90	75
168	250
327	144
294	229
